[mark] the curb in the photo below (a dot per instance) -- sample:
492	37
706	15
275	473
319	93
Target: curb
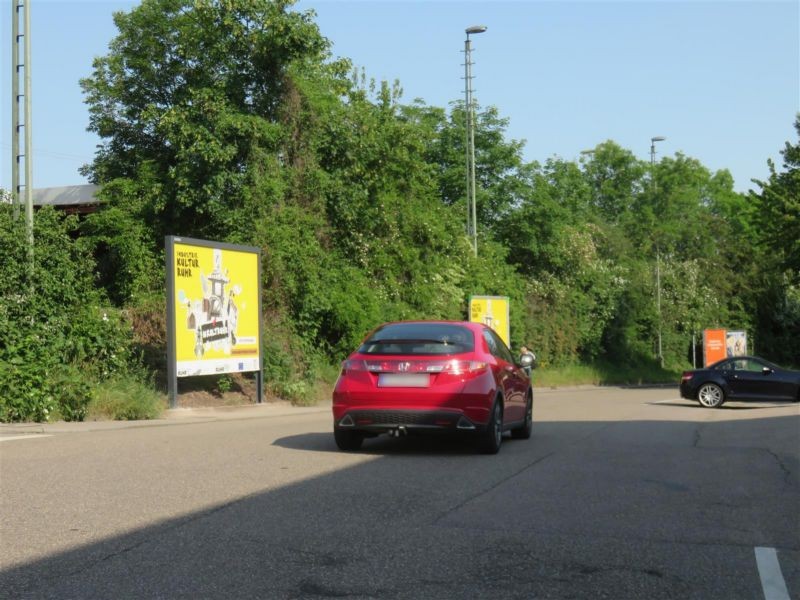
603	386
172	416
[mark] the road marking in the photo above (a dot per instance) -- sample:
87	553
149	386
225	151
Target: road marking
769	569
12	437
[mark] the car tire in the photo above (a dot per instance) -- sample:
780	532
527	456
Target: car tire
524	432
710	395
347	439
491	437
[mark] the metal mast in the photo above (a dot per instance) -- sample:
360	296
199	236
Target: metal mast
653	140
469	112
15	107
22	68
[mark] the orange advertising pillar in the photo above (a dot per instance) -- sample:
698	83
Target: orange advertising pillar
714	348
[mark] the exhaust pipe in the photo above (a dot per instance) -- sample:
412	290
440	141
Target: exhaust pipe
398	431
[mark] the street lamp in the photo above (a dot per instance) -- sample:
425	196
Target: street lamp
653	140
472	221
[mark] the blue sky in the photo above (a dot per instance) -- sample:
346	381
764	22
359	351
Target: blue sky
721	80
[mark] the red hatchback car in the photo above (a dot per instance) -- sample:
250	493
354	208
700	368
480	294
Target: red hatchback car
432	376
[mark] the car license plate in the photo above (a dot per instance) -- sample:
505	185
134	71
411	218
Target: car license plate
403	380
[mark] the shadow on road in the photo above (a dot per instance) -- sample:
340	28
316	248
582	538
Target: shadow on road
754	405
583	509
383	445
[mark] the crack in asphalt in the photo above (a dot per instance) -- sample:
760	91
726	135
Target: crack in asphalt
486	490
500	482
148	538
532	572
787	474
697	435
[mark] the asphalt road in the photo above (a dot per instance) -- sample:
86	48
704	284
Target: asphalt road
620	493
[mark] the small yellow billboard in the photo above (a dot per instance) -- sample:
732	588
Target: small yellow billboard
493	312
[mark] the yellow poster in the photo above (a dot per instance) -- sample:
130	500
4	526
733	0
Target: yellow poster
491	311
215	291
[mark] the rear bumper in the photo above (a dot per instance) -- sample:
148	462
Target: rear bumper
688	391
382	421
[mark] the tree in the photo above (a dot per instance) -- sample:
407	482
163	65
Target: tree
616	178
779	204
774	220
497	160
189	96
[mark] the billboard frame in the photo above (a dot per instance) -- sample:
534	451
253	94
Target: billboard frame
172	355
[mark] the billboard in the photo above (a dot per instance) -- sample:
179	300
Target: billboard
714	347
491	311
213	307
720	343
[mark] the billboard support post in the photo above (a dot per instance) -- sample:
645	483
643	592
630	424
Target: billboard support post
172	377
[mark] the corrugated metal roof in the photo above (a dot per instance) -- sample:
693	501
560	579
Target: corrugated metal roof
71	195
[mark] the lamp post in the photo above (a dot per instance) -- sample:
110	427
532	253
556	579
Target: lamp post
472	222
653	140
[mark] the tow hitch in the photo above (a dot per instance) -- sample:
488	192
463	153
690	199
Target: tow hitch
398	431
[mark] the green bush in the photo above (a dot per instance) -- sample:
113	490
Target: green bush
299	393
56	336
72	392
125	397
224	384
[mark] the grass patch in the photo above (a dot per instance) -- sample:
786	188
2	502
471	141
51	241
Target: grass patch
125	398
604	374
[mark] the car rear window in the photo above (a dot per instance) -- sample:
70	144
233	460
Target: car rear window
419	338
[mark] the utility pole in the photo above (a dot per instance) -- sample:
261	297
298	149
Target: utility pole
21	9
653	140
472	220
15	197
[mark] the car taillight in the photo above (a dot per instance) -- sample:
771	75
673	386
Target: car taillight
687	375
453	367
351	366
462	367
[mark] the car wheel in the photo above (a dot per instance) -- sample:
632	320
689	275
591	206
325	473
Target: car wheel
347	439
710	395
492	436
524	432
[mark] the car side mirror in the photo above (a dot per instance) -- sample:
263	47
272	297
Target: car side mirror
766	371
526	360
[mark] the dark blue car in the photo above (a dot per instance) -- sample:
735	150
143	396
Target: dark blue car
740	378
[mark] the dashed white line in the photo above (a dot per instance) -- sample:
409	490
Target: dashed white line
769	569
12	438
